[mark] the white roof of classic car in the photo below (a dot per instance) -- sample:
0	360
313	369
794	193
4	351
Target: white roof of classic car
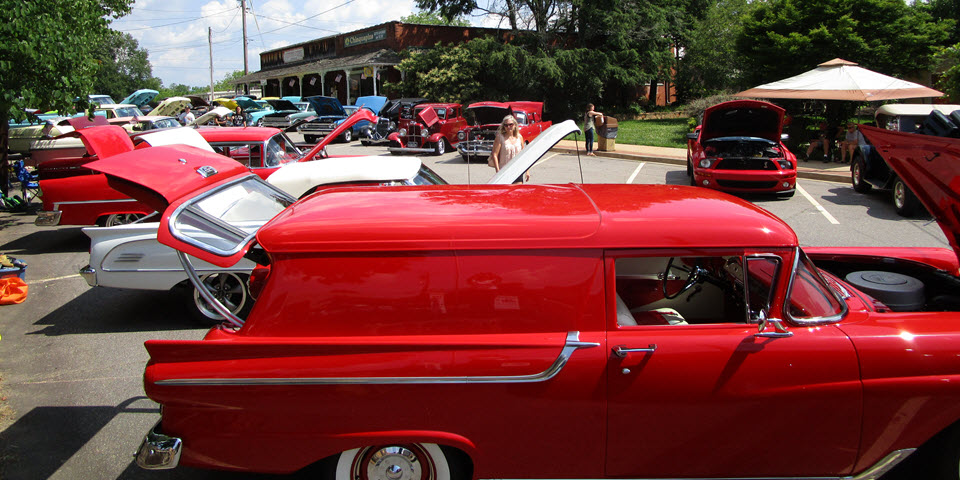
297	178
894	109
176	136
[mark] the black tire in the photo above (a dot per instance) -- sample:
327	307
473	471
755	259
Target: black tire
440	147
347	136
689	167
260	122
904	201
230	288
405	460
310	139
947	448
857	167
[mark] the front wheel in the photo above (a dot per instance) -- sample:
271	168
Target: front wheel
347	136
229	288
904	200
856	176
440	148
396	462
119	219
310	139
260	122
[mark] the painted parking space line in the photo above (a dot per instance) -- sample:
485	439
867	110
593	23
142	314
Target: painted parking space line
47	280
816	204
636	172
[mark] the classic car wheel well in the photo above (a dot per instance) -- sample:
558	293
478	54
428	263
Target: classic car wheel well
938	458
457	462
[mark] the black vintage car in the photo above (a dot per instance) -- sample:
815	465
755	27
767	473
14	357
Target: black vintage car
388	121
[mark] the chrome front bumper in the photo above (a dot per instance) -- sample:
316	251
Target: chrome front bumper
158	451
410	149
90	275
48	218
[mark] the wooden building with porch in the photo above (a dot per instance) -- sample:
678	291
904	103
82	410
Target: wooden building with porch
350	65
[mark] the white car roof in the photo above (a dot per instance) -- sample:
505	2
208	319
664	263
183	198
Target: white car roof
297	178
895	109
176	136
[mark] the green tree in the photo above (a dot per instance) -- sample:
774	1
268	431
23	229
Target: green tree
711	63
122	66
781	38
433	18
948	61
47	56
227	83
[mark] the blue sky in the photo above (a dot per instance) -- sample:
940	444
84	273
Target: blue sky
174	32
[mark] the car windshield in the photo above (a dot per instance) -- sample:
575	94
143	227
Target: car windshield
225	219
811	299
127	112
280	150
427	177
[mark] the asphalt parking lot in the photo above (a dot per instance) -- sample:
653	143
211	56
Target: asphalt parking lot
71	356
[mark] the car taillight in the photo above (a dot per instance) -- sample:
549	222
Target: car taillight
258	280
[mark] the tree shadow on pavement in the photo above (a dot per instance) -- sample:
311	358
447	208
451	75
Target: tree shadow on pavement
60	240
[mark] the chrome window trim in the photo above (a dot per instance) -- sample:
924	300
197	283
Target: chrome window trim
245	239
773	287
813	321
572	344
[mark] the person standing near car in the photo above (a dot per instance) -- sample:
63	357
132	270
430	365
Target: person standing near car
506	144
187	116
589	128
239	119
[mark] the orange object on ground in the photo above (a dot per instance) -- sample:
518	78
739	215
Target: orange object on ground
12	290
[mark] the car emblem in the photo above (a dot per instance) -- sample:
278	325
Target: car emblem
206	171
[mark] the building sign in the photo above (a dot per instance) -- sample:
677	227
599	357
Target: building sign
366	37
293	55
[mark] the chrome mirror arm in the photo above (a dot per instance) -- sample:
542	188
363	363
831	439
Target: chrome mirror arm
780	330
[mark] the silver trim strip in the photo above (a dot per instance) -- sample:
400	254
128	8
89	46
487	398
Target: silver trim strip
57	204
572	344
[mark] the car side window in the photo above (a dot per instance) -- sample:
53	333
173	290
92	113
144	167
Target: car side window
442	112
689	290
521	118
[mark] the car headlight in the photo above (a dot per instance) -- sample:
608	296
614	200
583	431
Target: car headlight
461	135
785	164
706	163
402	131
393	125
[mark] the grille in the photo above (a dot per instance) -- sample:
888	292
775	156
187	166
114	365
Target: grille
746	184
746	163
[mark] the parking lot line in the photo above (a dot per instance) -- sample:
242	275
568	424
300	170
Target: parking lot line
635	172
815	203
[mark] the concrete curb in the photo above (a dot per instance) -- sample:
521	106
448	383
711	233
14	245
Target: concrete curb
802	172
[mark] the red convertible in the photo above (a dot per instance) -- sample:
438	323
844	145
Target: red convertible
550	331
739	149
74	195
477	140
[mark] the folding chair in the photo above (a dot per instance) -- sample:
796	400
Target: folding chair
29	184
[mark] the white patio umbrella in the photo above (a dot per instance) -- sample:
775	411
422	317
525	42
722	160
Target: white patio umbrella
840	79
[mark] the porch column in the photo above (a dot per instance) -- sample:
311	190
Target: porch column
376	72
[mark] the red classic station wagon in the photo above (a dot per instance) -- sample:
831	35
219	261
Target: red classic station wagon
550	331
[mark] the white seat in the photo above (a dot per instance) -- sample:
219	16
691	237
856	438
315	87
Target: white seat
624	317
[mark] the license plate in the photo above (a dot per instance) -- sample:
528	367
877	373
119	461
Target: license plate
412	145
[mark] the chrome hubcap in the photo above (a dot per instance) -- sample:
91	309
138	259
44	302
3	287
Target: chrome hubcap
899	194
227	288
393	463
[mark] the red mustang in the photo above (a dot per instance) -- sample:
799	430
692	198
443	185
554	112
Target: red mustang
551	331
477	140
75	195
739	149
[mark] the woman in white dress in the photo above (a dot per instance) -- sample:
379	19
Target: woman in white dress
507	143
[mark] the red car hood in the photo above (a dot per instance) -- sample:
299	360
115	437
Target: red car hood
743	118
930	166
103	141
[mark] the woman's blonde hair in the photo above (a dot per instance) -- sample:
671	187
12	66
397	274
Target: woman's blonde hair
516	126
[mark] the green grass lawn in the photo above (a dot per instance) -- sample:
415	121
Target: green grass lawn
670	132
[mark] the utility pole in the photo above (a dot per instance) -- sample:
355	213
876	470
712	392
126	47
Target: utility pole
210	43
243	10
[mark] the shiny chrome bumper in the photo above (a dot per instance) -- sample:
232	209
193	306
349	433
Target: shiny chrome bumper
158	451
48	218
90	275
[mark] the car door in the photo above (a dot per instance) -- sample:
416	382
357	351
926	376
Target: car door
694	391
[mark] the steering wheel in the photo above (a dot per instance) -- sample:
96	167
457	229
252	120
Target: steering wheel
694	276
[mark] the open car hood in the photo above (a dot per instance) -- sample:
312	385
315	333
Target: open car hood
103	141
533	152
930	166
357	116
280	105
170	107
141	97
374	103
210	115
489	113
326	106
742	118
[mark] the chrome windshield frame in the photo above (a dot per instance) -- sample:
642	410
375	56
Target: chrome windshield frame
812	321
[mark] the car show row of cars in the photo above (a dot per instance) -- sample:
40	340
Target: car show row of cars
374	322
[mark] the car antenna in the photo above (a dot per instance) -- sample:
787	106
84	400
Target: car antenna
576	142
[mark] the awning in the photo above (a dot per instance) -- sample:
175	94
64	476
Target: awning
381	58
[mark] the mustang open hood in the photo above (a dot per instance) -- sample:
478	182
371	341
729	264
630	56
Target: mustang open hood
743	118
141	97
326	106
533	152
373	103
930	166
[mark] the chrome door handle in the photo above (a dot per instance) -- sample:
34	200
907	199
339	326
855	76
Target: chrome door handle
622	351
